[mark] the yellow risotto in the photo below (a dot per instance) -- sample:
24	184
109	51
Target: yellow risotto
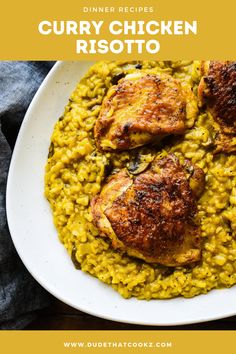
76	171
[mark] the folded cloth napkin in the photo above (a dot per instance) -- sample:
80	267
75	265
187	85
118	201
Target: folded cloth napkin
20	294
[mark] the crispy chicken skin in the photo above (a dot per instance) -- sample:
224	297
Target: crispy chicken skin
217	89
139	109
151	216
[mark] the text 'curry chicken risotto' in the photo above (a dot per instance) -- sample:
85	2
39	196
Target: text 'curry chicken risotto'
141	176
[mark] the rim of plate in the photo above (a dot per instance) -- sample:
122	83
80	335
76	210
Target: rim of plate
208	306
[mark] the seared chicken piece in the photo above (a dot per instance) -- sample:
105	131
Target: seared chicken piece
140	109
217	89
151	215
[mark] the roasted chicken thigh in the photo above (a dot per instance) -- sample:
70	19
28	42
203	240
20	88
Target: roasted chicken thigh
217	89
141	108
152	215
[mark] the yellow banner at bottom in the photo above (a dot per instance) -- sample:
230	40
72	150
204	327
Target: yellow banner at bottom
87	342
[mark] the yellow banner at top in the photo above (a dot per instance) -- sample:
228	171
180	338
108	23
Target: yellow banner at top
119	30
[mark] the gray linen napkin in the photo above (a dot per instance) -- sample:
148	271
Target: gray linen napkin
20	294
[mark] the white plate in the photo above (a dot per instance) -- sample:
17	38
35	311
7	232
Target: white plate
35	237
